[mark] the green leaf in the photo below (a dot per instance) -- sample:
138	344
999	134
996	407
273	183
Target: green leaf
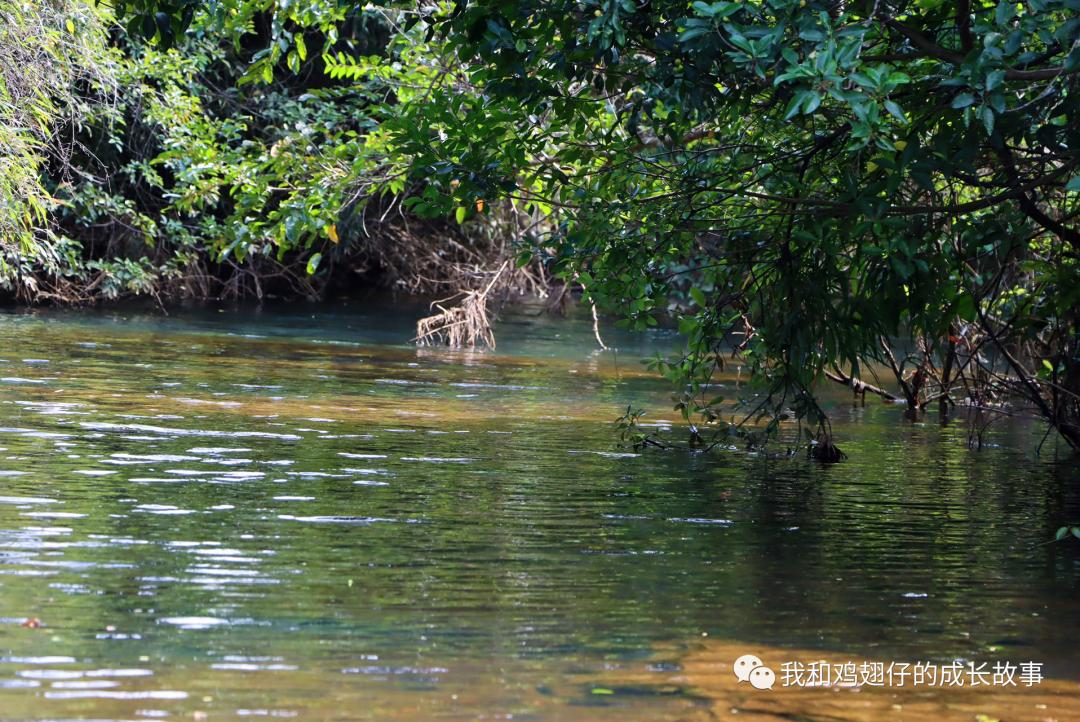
460	214
1072	60
313	263
1004	12
1061	533
896	111
602	690
965	307
863	80
694	28
795	104
963	100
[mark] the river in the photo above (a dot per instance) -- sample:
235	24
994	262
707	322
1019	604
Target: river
294	513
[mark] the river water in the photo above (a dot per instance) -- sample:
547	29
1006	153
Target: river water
294	513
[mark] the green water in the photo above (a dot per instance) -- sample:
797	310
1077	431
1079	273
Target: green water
297	514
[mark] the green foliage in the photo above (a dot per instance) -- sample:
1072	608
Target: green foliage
153	20
799	179
230	156
47	48
631	433
1065	531
792	182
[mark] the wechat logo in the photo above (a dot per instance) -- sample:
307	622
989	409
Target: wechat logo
749	668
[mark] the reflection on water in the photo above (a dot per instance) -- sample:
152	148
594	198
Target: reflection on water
300	515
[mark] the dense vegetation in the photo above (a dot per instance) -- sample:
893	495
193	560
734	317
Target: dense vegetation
824	187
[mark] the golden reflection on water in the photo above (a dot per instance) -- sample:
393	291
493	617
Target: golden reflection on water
693	683
382	372
389	533
708	671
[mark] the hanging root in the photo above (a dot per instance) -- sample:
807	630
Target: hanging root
596	327
465	325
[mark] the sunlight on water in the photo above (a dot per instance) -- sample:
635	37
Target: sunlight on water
299	515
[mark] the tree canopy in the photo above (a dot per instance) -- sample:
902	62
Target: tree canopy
823	187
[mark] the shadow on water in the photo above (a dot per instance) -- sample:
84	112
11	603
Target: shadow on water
299	514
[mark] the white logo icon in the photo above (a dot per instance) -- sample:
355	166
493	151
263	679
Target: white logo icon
744	665
749	668
763	678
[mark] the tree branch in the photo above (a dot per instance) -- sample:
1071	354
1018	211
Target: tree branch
1028	206
859	386
963	24
933	50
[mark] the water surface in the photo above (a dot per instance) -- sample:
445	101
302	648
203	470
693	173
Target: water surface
295	513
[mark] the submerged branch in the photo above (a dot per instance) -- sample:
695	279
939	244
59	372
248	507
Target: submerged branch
859	386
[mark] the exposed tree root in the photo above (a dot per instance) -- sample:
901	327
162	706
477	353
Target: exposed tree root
465	325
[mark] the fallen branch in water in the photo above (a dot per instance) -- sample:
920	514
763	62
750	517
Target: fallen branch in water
859	386
465	325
